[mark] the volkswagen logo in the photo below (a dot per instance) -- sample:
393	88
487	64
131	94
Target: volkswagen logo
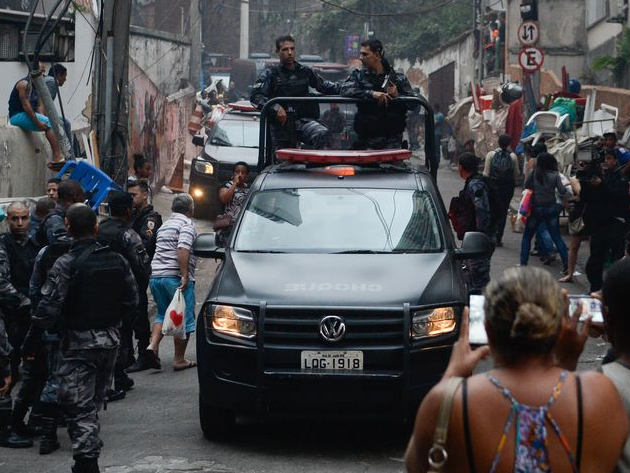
332	328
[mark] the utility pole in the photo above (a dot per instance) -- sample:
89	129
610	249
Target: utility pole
195	44
244	44
110	92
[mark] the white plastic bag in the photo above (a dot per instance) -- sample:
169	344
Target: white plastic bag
175	316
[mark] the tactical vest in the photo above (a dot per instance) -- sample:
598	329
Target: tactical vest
110	233
52	254
295	84
40	234
374	120
96	289
21	262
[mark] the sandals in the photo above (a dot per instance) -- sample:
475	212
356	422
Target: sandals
189	364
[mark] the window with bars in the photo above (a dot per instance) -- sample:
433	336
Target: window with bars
59	47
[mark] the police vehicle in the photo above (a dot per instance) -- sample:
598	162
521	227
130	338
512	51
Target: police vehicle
339	293
232	139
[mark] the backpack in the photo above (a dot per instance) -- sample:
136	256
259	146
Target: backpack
462	212
502	167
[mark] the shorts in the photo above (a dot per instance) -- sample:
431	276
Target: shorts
23	121
163	290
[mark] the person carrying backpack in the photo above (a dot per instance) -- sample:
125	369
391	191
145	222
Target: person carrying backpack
501	167
475	210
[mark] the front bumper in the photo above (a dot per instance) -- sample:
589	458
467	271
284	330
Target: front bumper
264	377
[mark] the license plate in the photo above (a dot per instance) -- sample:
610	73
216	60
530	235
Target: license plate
332	360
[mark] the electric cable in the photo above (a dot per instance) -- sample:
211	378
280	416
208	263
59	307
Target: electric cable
422	11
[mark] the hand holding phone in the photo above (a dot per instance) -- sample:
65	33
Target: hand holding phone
591	307
476	329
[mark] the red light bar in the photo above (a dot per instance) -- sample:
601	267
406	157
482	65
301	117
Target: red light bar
242	106
331	156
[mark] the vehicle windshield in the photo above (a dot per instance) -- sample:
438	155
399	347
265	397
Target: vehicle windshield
239	133
340	220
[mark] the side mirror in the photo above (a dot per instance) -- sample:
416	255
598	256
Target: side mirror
206	246
474	245
197	140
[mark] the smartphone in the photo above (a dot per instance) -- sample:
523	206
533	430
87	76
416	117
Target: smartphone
590	307
476	328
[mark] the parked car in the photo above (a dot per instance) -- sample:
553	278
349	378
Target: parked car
234	138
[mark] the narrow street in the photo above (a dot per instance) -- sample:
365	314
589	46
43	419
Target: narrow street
156	429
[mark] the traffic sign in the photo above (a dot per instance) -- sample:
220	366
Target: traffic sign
531	59
528	33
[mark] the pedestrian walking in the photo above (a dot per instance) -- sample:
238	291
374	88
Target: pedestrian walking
173	267
475	210
544	181
606	216
501	167
88	293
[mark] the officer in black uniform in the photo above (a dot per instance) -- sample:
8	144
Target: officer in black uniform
115	233
17	258
379	121
53	226
146	222
88	293
293	122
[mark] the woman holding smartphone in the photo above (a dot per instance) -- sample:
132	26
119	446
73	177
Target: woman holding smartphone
526	414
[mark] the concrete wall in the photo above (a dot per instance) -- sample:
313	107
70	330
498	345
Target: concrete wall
159	126
75	92
23	157
563	34
164	57
459	51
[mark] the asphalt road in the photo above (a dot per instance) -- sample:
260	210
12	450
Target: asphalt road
156	429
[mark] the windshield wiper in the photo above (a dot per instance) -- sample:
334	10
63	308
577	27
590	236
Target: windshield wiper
260	251
361	252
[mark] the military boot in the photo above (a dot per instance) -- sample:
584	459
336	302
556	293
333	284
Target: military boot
18	426
35	419
8	438
85	465
50	415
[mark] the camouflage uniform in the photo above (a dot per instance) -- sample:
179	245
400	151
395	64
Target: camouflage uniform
17	257
87	354
476	195
53	226
378	126
114	233
302	124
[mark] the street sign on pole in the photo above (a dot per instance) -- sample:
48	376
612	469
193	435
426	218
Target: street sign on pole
531	59
528	33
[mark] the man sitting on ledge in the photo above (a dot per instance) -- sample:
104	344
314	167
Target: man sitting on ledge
23	103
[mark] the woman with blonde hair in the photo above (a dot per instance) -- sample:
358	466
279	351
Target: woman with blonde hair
526	414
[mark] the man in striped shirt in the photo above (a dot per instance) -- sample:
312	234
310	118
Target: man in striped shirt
173	267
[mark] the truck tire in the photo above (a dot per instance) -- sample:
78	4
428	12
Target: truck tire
216	423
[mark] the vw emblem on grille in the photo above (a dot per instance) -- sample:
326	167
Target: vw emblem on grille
332	328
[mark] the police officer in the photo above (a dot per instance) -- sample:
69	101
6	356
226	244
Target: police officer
379	121
146	222
17	257
476	215
89	292
115	232
292	79
52	228
8	438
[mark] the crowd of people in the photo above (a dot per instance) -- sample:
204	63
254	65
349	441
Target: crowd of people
73	293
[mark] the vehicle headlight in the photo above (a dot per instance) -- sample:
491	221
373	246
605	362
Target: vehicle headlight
204	167
229	320
429	323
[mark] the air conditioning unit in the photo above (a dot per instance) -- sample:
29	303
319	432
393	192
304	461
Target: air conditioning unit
618	11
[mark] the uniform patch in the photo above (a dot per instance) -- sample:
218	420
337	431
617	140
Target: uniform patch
150	224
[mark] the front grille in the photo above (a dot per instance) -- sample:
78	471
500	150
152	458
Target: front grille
299	328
